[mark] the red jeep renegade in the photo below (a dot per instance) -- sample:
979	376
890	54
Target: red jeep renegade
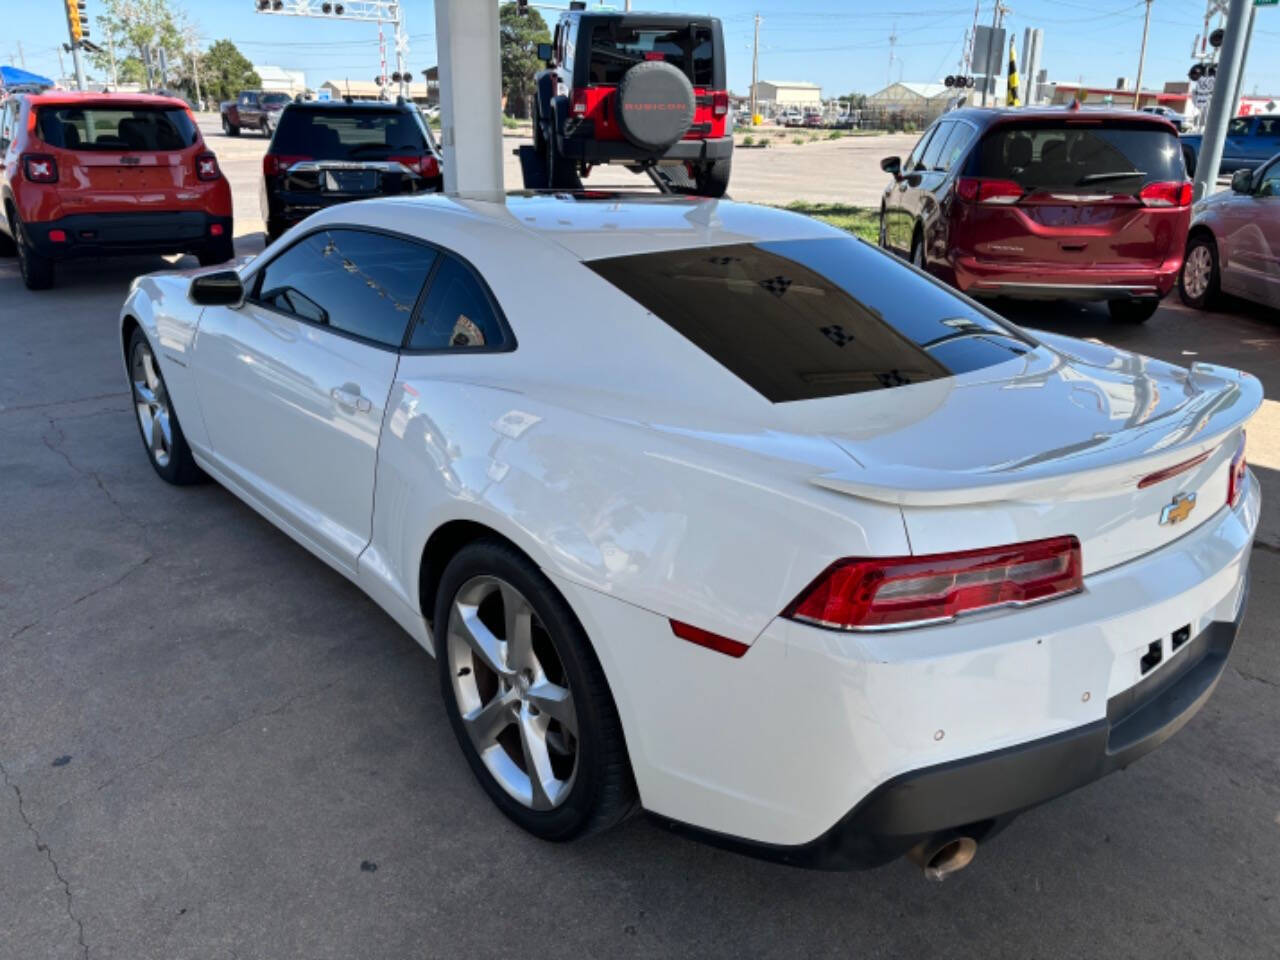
636	89
87	175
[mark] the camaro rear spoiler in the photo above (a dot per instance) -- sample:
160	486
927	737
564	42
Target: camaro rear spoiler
1104	464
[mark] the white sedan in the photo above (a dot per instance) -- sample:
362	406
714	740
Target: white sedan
714	510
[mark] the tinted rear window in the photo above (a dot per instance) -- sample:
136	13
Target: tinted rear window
86	127
1056	156
616	48
800	319
276	98
350	134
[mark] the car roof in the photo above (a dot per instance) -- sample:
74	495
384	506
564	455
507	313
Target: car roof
350	104
594	225
989	116
80	97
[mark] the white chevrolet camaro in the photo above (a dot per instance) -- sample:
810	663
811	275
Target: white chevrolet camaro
717	511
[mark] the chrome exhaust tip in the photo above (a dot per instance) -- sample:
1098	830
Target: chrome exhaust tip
940	857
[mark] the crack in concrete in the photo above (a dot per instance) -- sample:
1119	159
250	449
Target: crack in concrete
26	408
42	847
1255	678
83	597
55	446
1260	544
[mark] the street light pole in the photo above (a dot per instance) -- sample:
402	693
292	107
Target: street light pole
755	69
1222	105
1142	58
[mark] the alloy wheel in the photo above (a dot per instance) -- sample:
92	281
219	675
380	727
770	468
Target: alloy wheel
1197	271
512	692
151	402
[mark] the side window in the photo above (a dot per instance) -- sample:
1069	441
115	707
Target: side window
458	313
956	145
913	161
1268	127
940	135
1269	181
353	281
7	113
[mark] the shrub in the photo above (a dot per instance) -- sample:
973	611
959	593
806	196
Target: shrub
798	140
748	141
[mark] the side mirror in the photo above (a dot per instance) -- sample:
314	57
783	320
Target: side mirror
220	289
892	166
544	52
1242	181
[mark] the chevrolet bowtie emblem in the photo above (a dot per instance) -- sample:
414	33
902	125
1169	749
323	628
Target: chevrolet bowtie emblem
1178	509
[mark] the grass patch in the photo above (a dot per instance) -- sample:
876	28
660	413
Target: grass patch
799	140
510	123
748	141
862	222
835	135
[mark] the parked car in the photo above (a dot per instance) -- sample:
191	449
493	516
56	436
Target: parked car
637	89
813	118
1178	120
791	117
1234	243
1250	141
253	110
1044	204
93	175
729	532
334	151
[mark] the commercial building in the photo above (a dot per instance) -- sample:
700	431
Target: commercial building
1177	96
921	101
280	80
789	94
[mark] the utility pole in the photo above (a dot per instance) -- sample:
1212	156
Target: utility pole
62	67
1142	58
1222	105
22	60
755	67
195	75
893	41
111	50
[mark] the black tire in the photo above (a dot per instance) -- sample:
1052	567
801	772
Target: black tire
36	269
1205	299
883	239
180	467
1138	310
217	251
230	129
539	137
712	179
1189	160
7	247
917	251
603	792
560	172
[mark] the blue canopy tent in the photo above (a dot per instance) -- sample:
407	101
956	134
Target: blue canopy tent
14	78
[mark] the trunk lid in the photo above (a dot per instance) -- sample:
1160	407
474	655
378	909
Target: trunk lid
1124	452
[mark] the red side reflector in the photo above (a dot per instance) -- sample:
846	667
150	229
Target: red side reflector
57	236
705	638
1239	472
867	594
978	190
1154	478
215	229
1170	193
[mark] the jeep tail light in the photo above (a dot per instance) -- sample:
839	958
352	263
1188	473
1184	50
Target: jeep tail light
215	229
274	163
1168	193
978	190
884	592
705	638
1239	472
580	103
720	102
40	168
207	167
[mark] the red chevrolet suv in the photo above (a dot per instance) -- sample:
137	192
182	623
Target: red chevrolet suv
87	175
637	89
1046	203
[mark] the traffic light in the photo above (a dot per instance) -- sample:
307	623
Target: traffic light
77	21
1215	38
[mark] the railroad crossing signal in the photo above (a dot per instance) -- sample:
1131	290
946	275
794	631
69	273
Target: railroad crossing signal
77	21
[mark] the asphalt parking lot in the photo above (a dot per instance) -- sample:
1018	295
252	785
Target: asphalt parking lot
213	746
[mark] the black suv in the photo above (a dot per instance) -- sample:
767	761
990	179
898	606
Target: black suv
637	89
326	152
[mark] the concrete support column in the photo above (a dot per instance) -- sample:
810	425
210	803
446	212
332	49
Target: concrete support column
470	98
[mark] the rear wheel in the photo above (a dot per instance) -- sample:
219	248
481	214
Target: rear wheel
157	421
1133	311
229	128
712	179
37	269
526	697
1199	279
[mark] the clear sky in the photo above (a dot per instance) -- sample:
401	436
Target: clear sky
843	45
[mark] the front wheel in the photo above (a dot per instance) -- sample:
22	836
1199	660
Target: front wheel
712	179
1199	279
158	425
1133	311
526	696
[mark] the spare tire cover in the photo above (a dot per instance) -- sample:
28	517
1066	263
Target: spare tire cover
655	105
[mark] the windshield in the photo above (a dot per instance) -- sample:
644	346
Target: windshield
688	47
800	319
276	98
348	134
1094	157
116	128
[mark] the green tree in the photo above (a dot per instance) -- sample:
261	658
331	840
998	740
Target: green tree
518	41
225	71
132	26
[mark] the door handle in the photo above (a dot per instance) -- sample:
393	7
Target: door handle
349	398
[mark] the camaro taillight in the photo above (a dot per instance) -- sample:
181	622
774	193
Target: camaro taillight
978	190
274	163
881	592
1170	193
1239	470
40	168
207	167
720	102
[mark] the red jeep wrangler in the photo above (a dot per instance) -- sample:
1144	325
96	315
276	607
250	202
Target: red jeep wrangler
636	89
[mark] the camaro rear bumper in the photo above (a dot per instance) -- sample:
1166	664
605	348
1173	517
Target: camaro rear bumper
829	749
104	234
1052	281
